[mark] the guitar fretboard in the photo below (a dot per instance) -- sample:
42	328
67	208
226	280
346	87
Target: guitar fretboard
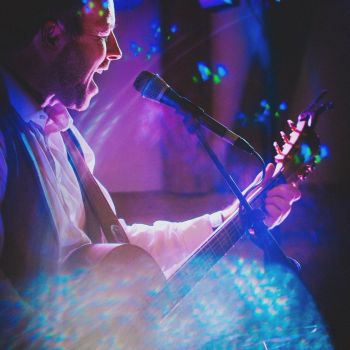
197	266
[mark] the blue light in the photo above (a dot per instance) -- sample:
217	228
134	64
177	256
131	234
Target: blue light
126	4
156	28
324	151
222	70
135	48
262	117
283	106
263	103
215	3
87	9
174	28
306	152
204	71
242	118
155	24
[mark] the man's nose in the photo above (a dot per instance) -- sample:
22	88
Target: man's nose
113	50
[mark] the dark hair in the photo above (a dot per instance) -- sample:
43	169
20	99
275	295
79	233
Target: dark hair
20	20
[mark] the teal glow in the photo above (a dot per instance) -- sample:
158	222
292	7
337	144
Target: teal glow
239	305
204	71
306	152
222	70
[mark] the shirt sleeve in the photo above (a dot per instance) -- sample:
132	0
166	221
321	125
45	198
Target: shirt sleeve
170	243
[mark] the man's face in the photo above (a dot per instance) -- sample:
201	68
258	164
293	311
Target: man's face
84	56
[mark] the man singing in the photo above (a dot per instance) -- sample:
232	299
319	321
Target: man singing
50	53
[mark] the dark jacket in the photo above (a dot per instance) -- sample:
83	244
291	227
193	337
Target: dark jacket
29	244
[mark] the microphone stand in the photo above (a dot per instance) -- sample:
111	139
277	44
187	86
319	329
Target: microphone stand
253	218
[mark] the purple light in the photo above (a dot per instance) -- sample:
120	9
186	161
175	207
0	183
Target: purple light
214	3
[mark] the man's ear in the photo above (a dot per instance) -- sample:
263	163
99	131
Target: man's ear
52	35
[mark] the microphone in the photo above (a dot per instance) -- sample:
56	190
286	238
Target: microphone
153	87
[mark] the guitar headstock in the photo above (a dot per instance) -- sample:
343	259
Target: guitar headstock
301	151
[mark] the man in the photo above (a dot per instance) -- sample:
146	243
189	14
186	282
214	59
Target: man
51	51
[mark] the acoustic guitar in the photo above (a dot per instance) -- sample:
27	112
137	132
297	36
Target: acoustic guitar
121	290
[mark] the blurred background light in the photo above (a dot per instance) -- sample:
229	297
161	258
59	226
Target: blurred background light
127	4
217	3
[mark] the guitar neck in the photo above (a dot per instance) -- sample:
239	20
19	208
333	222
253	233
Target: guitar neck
210	252
197	266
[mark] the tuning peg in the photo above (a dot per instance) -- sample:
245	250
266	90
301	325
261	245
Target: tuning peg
292	125
285	138
277	148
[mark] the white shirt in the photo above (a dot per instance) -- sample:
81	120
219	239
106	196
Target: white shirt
169	243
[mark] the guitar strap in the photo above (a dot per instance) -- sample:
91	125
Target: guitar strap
110	224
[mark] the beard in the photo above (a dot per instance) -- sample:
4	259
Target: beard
75	87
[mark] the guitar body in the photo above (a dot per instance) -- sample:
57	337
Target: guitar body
109	287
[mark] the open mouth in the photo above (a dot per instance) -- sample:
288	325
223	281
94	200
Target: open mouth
93	87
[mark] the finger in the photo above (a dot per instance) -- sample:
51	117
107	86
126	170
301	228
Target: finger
290	192
280	204
274	215
269	170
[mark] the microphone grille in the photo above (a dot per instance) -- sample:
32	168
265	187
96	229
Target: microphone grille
150	85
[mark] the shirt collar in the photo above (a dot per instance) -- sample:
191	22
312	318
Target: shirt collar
27	107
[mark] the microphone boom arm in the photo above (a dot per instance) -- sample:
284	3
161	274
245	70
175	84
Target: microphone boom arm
153	87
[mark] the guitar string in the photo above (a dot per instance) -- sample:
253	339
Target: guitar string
197	266
211	251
